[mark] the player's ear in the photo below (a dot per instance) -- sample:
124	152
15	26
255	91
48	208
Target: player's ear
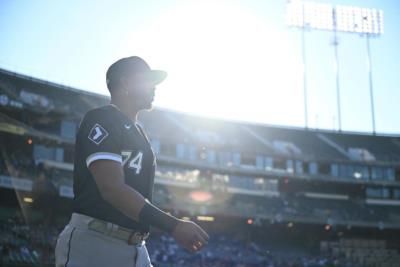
124	83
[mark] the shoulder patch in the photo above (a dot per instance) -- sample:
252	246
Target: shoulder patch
97	134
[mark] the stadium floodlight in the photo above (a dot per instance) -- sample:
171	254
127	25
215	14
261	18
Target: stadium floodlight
309	15
319	16
367	22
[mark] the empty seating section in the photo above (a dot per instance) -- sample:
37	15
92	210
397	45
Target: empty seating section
383	148
363	252
307	141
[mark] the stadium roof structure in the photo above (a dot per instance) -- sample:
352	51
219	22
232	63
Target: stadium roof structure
9	125
52	84
103	99
51	100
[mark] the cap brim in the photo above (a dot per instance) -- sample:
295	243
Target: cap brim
153	76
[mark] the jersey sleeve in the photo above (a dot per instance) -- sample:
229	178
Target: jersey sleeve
99	138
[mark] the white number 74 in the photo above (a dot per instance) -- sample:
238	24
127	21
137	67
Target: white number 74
135	162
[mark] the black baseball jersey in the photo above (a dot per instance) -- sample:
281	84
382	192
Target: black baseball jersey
107	133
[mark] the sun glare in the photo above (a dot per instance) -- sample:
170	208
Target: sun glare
222	60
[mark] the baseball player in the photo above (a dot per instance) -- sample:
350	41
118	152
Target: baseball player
113	180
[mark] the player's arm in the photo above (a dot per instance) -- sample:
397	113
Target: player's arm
109	178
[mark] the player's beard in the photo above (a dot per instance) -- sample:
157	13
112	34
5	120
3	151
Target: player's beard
146	103
150	99
149	105
141	100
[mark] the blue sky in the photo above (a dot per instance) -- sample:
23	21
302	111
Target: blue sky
229	59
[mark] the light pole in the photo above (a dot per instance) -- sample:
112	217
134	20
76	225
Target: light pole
371	87
335	46
349	19
303	50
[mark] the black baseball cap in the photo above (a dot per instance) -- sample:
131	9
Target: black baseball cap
133	66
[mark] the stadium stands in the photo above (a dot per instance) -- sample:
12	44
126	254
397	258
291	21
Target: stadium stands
311	147
296	208
258	175
383	148
33	245
26	245
363	252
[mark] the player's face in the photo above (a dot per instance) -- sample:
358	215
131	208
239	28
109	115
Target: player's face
142	95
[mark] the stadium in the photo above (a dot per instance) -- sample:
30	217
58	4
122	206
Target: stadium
266	194
280	197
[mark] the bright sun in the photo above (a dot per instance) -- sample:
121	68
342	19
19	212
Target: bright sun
222	60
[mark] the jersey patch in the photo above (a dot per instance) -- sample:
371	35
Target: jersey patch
97	134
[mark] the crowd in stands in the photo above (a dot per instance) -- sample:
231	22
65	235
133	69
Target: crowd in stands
323	210
365	252
29	245
26	245
228	251
23	243
47	180
16	164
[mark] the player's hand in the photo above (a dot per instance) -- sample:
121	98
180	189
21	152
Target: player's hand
190	236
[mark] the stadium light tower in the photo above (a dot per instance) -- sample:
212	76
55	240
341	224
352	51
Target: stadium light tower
363	21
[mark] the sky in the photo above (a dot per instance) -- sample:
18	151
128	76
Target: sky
235	60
